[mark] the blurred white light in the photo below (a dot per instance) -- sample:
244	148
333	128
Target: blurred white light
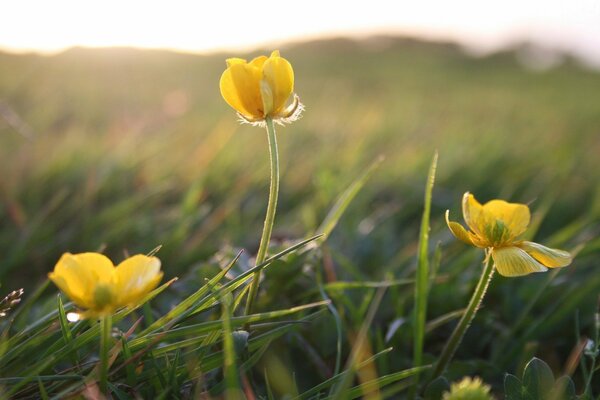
73	317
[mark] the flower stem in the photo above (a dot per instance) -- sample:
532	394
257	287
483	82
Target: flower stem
467	317
105	334
270	217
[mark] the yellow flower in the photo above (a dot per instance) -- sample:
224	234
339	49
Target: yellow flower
93	283
469	389
262	88
496	225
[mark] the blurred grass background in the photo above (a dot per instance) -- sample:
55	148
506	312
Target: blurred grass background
124	150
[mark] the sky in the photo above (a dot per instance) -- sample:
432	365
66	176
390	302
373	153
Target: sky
213	25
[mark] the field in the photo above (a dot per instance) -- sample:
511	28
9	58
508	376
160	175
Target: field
124	150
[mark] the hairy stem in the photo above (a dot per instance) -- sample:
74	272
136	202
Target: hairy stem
105	334
456	337
270	217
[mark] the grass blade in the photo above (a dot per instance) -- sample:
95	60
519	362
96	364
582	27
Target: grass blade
358	349
422	278
368	387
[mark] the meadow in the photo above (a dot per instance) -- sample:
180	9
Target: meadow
124	150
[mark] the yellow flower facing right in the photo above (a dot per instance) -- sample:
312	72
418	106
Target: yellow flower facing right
497	225
262	88
93	283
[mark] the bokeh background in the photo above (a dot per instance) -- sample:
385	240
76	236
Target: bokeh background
124	149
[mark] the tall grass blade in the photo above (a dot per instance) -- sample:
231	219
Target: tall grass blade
422	276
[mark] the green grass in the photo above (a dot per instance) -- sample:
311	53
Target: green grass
123	150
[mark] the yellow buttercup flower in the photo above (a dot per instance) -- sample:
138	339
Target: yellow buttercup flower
262	88
496	225
93	283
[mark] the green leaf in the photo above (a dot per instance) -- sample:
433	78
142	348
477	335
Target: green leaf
436	388
538	378
512	388
240	341
564	389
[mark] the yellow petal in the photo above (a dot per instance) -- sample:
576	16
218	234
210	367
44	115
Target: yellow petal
514	217
279	76
136	276
259	61
231	61
551	258
77	275
98	265
267	97
513	261
75	290
240	87
473	214
458	230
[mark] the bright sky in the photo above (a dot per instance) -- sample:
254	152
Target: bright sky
208	25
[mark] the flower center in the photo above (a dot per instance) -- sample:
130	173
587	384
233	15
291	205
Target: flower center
497	232
103	295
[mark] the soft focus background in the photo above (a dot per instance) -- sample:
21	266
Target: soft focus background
123	149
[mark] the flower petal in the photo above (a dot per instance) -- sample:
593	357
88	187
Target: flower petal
513	261
240	87
515	217
458	230
77	275
136	276
551	258
98	265
473	214
259	61
279	75
235	60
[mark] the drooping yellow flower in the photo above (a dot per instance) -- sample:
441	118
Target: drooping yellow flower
262	88
93	283
496	226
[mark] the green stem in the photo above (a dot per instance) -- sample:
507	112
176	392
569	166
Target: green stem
270	217
467	317
105	334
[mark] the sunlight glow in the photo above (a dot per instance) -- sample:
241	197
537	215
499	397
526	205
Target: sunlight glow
73	317
200	26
